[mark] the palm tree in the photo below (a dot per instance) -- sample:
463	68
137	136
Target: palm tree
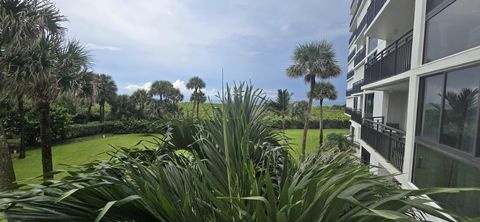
107	91
141	98
196	83
88	90
161	89
281	105
312	60
7	174
55	68
322	91
22	23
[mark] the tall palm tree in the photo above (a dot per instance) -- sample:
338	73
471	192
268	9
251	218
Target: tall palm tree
197	84
281	105
88	90
7	174
312	60
22	23
322	91
107	91
141	98
55	68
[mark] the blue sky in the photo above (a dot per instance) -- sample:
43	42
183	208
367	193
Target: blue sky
140	41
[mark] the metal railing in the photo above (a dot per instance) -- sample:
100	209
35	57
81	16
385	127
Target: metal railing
350	74
393	60
360	56
357	116
351	55
373	10
387	141
357	86
348	110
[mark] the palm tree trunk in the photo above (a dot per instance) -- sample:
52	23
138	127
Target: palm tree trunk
46	139
89	111
198	110
102	111
7	175
321	123
307	120
21	125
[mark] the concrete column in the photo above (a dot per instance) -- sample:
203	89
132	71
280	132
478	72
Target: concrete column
413	90
418	33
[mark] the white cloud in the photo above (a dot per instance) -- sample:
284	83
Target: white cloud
134	87
180	85
93	46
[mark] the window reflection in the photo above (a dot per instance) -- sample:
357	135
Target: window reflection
453	30
432	105
461	109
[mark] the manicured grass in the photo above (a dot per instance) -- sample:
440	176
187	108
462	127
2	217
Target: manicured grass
77	151
295	136
88	149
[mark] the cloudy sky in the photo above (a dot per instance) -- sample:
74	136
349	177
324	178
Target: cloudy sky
140	41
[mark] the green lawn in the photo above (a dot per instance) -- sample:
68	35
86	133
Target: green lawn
85	150
77	151
312	139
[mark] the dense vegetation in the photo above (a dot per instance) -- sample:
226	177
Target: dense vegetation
234	169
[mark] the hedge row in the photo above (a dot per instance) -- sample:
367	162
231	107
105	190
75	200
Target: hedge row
115	127
313	124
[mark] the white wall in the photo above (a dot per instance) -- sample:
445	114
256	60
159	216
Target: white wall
397	108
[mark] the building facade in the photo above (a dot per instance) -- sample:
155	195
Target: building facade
413	93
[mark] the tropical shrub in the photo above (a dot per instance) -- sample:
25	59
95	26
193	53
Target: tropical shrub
239	171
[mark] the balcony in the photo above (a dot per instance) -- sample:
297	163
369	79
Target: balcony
357	86
357	116
351	55
348	110
393	60
387	141
360	56
350	74
349	92
373	10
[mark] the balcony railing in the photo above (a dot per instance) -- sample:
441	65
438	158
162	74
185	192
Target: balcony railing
373	10
349	92
357	86
387	141
357	116
348	110
350	74
351	55
360	56
393	60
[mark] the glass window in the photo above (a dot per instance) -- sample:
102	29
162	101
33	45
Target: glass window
459	125
372	44
454	29
432	4
355	103
432	105
433	169
369	103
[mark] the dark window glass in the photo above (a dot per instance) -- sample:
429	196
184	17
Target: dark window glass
433	169
365	156
432	4
355	103
454	29
369	104
459	125
432	105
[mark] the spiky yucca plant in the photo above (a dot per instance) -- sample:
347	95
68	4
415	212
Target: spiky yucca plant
238	171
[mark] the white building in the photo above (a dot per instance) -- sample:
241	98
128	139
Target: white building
413	93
